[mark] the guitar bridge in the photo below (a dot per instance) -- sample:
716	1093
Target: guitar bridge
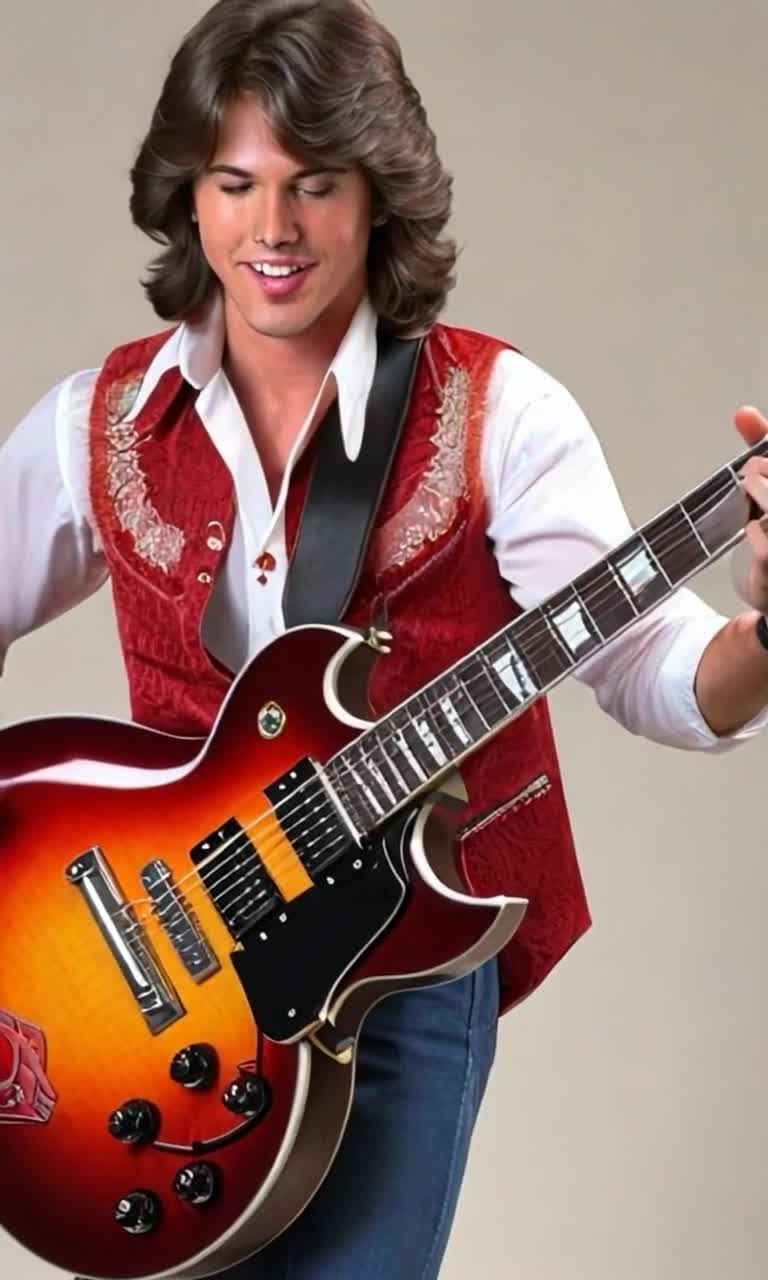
124	935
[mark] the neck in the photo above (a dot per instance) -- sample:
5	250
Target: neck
281	370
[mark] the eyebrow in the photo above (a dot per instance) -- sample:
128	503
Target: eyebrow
234	172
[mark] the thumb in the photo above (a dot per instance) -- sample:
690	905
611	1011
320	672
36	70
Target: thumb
750	424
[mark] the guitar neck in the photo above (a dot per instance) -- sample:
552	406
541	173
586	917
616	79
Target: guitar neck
428	735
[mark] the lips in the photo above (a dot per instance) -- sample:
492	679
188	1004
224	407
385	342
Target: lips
281	286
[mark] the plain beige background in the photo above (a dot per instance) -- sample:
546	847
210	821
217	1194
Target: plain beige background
611	198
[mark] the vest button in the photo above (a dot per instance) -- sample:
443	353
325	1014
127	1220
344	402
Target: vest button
215	544
205	578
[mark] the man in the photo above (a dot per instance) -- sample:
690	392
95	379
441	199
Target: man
293	181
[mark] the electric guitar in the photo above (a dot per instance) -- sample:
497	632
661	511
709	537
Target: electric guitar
193	931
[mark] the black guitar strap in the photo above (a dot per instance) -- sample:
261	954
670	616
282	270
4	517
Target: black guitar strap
344	496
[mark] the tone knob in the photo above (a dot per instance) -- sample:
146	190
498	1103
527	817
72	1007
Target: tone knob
197	1183
138	1213
135	1121
196	1067
249	1095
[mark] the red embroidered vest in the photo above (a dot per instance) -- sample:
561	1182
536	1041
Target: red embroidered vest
164	504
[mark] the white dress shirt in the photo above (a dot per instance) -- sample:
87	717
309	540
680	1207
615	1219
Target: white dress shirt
553	511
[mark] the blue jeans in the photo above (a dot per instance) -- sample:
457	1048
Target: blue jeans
386	1208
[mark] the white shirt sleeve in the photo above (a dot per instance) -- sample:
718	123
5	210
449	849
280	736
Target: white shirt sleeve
554	511
49	555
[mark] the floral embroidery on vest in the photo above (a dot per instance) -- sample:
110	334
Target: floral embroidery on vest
160	544
432	509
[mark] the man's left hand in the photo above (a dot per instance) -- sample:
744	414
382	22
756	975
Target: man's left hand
752	426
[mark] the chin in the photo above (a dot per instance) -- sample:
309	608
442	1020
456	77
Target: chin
280	327
281	322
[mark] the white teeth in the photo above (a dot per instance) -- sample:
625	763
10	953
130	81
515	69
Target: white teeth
266	269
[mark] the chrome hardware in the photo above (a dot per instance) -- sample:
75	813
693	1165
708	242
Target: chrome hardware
179	921
126	939
381	641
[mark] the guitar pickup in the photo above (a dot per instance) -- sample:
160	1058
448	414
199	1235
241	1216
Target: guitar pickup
179	921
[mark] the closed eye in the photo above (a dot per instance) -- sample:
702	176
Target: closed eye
243	188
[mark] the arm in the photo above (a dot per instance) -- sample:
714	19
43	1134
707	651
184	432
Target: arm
49	557
554	511
732	679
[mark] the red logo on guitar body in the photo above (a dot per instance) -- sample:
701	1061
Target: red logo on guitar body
26	1095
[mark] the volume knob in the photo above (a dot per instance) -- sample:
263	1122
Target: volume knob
196	1067
138	1213
197	1183
249	1095
135	1121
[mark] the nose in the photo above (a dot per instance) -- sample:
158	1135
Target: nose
275	221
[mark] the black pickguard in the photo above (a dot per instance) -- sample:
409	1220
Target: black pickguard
292	961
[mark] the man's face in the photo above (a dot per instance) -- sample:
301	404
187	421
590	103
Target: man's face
260	213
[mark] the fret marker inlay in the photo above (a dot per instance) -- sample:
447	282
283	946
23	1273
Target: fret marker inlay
454	721
430	742
572	627
638	571
512	670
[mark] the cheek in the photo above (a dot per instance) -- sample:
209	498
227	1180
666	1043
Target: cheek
219	224
346	231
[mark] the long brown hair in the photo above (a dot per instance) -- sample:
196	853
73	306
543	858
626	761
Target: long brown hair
331	81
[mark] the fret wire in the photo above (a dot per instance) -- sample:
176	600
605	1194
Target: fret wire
483	695
412	775
611	597
483	671
440	725
655	559
697	535
502	693
623	587
719	486
408	759
554	630
524	667
416	744
521	664
442	720
463	693
466	696
364	776
351	797
388	767
590	615
681	547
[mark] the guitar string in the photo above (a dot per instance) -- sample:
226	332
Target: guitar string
535	630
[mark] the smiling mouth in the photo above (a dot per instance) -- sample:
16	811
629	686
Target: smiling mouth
282	281
279	270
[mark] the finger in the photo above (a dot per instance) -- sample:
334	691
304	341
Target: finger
756	486
756	466
751	424
757	537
